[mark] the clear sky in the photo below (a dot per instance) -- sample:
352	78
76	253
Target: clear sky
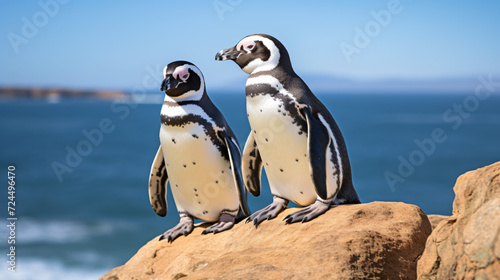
111	44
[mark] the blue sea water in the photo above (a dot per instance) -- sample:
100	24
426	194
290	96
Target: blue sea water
99	215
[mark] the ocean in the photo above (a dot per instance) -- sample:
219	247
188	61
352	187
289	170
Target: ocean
82	167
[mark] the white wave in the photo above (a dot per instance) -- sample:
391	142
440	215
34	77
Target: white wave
28	269
32	231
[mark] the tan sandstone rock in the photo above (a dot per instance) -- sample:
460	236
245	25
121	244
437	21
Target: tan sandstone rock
378	240
436	219
467	244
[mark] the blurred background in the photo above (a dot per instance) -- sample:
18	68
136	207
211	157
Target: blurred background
413	85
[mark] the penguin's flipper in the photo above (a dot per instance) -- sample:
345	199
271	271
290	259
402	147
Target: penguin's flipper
235	159
318	140
252	166
158	184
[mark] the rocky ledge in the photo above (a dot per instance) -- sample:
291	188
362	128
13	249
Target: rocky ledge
467	244
378	240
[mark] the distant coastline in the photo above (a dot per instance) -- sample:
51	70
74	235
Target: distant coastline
58	93
318	83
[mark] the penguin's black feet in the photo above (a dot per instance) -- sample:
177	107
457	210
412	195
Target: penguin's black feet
226	222
308	213
184	227
270	212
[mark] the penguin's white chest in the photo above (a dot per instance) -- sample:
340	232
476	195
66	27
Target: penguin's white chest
283	149
200	178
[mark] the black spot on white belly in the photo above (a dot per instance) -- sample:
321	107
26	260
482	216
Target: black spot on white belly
209	129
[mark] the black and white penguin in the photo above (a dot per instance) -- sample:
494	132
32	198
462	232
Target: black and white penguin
199	155
293	135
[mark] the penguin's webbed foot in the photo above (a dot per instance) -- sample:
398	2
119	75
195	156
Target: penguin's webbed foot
226	222
308	213
269	212
184	227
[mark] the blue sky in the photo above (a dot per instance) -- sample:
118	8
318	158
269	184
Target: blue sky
104	44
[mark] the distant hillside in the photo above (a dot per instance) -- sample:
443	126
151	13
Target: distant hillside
317	83
54	94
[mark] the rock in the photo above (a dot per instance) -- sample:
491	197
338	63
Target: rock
378	240
436	219
467	244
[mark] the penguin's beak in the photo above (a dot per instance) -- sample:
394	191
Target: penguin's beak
167	84
231	53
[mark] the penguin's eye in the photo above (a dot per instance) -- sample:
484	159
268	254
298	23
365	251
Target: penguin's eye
249	47
184	77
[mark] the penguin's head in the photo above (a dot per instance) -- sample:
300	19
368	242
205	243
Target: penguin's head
182	79
257	52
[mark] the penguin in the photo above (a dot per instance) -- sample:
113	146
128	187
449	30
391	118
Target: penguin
199	155
293	136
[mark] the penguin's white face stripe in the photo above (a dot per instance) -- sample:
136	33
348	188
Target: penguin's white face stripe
183	69
257	65
165	72
246	44
335	145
